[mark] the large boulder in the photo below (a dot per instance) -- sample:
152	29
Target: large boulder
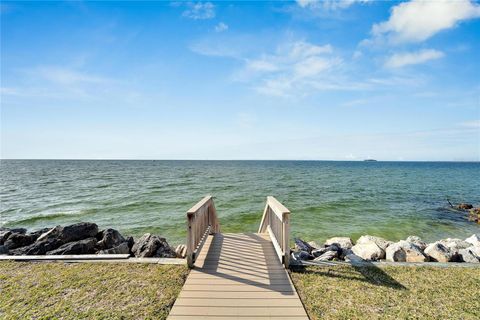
122	248
404	251
469	255
417	241
152	246
454	246
301	256
368	251
329	255
342	242
70	233
474	240
38	247
17	240
301	245
109	238
438	252
5	233
380	242
85	246
321	251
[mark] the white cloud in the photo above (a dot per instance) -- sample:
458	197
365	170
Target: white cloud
329	4
474	124
399	60
199	10
418	20
66	76
221	27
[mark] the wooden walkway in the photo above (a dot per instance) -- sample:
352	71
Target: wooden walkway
238	276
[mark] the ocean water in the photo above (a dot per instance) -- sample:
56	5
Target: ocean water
326	198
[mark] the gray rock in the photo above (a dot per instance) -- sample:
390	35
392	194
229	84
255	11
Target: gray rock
404	251
152	246
474	240
438	252
368	251
38	247
85	246
70	233
314	245
301	256
469	255
301	245
37	233
3	249
342	242
122	248
380	242
7	232
181	251
417	241
17	240
321	251
109	238
353	258
329	255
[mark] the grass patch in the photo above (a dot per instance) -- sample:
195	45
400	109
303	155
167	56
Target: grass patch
347	292
88	290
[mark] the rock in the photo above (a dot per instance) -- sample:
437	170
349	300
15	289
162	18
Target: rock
122	248
314	245
474	240
404	251
380	242
301	255
329	255
36	234
38	247
353	258
454	245
109	238
17	240
7	232
438	252
301	245
181	251
130	241
368	251
342	242
321	251
464	206
85	246
152	246
469	255
70	233
3	249
417	241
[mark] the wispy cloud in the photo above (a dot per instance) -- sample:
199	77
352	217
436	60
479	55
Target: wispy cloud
329	4
418	20
66	76
399	60
475	124
199	10
221	27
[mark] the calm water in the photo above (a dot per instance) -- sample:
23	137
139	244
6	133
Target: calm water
390	199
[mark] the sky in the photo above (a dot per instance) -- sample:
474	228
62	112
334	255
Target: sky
303	80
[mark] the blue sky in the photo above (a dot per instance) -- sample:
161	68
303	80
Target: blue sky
339	80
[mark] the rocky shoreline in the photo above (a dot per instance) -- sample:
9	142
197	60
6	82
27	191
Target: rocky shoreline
83	238
372	248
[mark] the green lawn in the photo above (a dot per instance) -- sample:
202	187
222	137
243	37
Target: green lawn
346	292
88	290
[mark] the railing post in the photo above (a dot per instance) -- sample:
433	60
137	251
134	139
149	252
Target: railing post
190	240
286	238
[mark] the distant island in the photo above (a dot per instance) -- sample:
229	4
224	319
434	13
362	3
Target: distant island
369	160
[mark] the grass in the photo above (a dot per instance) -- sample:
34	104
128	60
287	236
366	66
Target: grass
88	290
347	292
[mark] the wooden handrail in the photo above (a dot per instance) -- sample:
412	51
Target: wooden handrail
201	221
276	222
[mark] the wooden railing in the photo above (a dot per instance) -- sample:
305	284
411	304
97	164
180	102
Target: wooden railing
276	222
201	221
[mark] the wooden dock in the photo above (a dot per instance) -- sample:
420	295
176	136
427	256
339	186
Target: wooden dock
238	276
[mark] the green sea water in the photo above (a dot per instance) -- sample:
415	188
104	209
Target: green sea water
326	198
